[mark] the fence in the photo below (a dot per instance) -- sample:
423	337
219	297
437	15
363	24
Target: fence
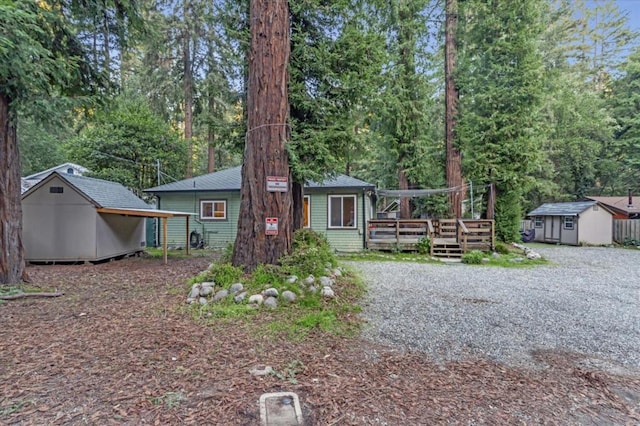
626	230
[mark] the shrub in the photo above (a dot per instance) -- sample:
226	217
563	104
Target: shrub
224	274
424	245
502	248
474	257
310	255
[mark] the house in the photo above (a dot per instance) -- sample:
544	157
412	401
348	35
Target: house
70	218
66	168
573	223
622	207
339	208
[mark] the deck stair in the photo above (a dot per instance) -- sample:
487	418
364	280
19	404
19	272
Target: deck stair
446	248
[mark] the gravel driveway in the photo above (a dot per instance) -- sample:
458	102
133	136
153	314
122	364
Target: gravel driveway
586	301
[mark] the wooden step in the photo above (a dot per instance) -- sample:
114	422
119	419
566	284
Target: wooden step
449	249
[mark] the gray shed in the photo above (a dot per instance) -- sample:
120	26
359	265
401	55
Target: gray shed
573	223
76	218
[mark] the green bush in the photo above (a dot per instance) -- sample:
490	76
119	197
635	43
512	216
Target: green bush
502	248
310	254
424	245
224	274
474	257
267	275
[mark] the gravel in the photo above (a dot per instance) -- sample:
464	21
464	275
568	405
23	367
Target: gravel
587	301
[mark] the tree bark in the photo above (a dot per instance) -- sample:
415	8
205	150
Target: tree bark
454	158
12	262
297	194
267	134
187	85
405	202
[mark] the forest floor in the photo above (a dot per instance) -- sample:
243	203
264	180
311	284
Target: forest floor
120	347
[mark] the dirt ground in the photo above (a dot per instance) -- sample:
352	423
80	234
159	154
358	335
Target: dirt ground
119	348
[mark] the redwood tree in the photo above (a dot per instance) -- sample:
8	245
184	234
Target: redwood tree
267	135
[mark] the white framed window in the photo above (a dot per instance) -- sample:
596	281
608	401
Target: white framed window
342	211
568	222
538	221
306	211
213	209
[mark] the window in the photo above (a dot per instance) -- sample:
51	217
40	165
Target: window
70	171
56	190
306	212
538	222
342	211
213	209
568	222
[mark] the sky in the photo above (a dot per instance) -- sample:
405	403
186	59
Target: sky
633	7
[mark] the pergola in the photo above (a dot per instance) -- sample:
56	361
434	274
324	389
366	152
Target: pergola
164	214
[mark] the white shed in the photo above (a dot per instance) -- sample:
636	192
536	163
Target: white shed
75	218
573	223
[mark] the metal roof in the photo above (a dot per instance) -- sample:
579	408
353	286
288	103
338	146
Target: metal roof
562	209
231	179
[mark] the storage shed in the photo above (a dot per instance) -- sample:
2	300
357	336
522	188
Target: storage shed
573	223
70	218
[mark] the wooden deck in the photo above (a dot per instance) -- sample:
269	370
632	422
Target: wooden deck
448	237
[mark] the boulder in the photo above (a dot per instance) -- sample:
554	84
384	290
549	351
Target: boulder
292	279
271	302
236	288
202	300
271	292
195	291
206	289
337	272
221	294
289	296
326	281
256	299
328	292
309	280
239	298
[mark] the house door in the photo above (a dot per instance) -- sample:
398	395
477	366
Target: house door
552	228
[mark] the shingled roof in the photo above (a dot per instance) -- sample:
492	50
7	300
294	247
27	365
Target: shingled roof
231	179
620	204
562	209
101	193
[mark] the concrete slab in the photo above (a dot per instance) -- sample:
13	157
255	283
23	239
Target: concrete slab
280	409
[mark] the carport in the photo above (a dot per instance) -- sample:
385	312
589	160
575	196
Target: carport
163	214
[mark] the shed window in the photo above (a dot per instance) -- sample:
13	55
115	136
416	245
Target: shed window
306	211
213	209
538	221
70	171
56	190
568	222
342	211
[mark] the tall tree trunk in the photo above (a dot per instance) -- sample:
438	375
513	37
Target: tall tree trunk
405	202
267	134
12	263
187	86
297	194
454	159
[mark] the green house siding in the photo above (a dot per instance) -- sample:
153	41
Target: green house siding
219	233
339	239
216	233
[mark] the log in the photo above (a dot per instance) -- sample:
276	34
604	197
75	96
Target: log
25	295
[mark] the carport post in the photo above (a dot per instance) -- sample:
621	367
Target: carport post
164	240
187	240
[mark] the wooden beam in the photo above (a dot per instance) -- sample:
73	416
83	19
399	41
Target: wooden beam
164	240
188	240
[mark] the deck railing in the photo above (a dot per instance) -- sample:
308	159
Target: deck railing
406	234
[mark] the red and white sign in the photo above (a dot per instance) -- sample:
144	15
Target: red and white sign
277	183
271	226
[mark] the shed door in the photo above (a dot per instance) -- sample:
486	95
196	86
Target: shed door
552	228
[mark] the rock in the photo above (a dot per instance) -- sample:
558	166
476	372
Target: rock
533	255
326	282
309	280
292	279
257	371
495	254
191	300
271	292
239	298
206	289
313	289
337	272
202	300
327	292
289	296
221	294
235	288
516	260
256	299
271	302
485	260
195	291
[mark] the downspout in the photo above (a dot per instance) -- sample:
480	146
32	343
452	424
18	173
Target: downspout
158	223
364	219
